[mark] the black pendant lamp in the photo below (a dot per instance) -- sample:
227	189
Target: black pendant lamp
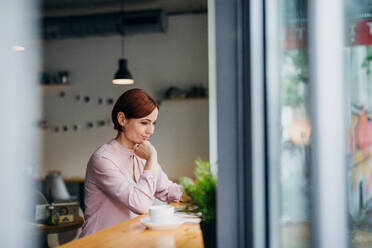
122	76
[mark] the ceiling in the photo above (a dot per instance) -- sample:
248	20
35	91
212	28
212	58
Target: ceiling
81	6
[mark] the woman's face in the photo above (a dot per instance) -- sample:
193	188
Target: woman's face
139	130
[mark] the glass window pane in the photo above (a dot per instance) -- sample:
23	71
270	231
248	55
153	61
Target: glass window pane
358	74
289	123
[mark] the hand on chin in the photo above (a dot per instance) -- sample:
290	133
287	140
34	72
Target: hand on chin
139	143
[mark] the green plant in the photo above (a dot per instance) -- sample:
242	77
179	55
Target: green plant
202	191
296	79
367	60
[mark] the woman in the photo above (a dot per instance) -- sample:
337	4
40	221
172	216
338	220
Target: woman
123	177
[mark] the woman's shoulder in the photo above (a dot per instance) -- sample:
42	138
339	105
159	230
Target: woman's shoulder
103	150
107	153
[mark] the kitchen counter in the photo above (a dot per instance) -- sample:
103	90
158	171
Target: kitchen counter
132	233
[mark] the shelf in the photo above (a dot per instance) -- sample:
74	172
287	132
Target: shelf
184	99
56	85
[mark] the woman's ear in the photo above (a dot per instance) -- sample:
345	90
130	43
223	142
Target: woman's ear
121	119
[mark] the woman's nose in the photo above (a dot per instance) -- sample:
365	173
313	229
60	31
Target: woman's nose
150	130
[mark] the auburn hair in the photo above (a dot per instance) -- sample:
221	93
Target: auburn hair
134	103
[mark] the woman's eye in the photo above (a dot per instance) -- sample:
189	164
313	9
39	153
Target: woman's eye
144	123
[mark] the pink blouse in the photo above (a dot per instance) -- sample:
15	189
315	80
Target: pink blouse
111	194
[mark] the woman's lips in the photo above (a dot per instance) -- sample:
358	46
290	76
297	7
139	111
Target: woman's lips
145	137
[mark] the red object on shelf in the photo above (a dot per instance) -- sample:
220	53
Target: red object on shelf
360	33
295	38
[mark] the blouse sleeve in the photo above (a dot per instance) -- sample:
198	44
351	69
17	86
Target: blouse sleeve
166	190
138	197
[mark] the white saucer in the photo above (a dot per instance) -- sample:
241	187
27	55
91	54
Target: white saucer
188	217
162	226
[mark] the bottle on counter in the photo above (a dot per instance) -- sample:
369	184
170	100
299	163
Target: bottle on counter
53	216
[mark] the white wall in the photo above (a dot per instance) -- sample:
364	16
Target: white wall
157	61
185	139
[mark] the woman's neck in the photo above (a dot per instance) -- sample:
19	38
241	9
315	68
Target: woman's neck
123	140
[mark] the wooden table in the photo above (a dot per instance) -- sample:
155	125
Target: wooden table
132	233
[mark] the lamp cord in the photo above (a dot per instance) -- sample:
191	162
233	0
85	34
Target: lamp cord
122	29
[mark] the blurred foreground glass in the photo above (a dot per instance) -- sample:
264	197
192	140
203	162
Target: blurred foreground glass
19	108
289	123
358	75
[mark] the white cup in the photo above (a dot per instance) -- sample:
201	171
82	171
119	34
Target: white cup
161	214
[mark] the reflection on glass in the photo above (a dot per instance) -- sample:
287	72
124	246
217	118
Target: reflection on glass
294	129
358	64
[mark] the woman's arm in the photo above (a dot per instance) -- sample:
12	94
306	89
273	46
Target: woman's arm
166	190
138	197
148	152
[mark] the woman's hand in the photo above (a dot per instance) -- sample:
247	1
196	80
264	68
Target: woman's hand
146	151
